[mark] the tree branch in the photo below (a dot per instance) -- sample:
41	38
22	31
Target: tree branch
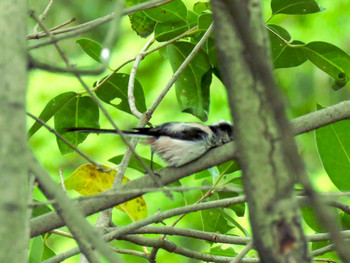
77	30
173	248
85	235
216	156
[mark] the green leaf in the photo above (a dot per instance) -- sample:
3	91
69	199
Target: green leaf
172	12
51	109
135	164
329	58
239	209
220	251
192	90
228	167
333	143
310	219
213	221
48	252
283	55
202	174
192	19
116	87
201	6
36	250
204	21
211	50
345	221
40	210
142	24
167	31
91	48
295	7
233	221
79	112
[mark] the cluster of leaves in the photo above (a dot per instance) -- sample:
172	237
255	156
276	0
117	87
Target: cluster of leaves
72	109
287	52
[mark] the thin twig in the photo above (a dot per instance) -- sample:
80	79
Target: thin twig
42	16
85	235
99	84
35	64
60	172
77	30
323	250
60	51
157	217
131	84
43	34
324	260
61	233
59	136
98	103
173	248
188	59
242	253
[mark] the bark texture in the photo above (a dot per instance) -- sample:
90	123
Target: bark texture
13	144
268	178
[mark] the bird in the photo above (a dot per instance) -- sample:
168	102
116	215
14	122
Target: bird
177	143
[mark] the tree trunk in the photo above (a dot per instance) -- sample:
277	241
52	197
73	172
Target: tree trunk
268	178
14	233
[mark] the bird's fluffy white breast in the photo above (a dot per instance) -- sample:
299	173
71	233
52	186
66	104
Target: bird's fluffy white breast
177	152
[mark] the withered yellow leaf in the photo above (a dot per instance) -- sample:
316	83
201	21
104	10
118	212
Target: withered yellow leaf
87	180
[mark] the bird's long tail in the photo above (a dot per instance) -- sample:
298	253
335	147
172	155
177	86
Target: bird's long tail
138	132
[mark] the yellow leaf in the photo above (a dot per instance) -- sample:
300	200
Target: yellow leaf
87	180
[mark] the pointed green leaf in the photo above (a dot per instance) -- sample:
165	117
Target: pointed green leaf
283	55
116	88
239	209
36	250
228	167
91	48
192	90
48	252
333	143
79	112
171	12
231	220
50	110
331	59
295	7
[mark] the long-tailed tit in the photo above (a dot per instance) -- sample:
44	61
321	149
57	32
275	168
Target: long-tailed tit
178	143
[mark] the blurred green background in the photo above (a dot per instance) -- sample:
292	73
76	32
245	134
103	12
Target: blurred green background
302	88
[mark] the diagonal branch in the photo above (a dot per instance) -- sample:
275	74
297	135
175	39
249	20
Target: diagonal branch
216	156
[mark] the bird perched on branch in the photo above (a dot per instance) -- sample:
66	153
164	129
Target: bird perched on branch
177	143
